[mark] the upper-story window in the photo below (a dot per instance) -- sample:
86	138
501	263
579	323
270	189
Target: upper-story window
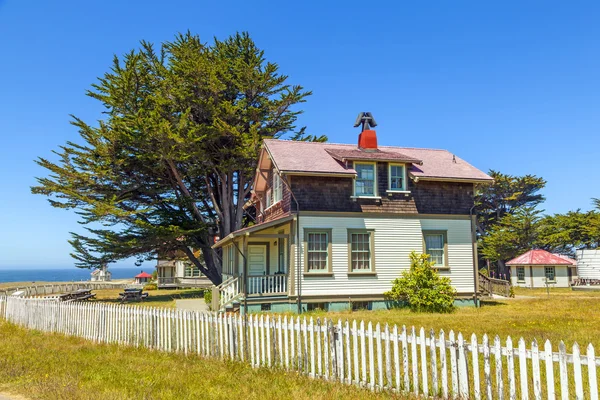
277	189
364	185
397	177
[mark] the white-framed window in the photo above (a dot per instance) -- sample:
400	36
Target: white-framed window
550	273
360	251
435	246
277	189
318	251
191	271
365	183
397	177
521	274
228	259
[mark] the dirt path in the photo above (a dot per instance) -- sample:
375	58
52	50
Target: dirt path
190	304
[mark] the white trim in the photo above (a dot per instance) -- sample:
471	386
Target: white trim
404	178
417	178
366	197
375	191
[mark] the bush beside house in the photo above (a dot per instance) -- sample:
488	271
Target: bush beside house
422	288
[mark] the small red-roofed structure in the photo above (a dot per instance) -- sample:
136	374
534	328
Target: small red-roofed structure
143	277
537	268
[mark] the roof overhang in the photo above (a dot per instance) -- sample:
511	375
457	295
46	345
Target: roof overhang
350	174
253	228
417	178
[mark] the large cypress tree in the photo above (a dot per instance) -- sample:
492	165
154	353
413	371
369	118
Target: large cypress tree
170	165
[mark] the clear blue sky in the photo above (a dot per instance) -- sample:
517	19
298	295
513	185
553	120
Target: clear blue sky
507	86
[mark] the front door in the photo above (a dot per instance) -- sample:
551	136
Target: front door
257	259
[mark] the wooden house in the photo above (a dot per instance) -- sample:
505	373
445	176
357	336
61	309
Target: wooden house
337	222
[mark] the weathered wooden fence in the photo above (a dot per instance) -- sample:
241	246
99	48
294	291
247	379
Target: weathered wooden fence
56	288
376	357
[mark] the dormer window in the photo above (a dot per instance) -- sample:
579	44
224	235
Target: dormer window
397	177
364	184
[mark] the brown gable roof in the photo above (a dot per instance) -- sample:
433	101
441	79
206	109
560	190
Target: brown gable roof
317	158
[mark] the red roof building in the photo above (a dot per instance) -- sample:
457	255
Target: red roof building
539	268
143	277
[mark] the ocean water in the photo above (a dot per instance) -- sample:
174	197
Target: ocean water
64	274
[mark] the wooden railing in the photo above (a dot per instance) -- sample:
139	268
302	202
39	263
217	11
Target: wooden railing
58	288
184	281
226	293
494	286
267	284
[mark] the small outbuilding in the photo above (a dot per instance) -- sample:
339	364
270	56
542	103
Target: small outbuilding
101	274
537	268
143	277
588	265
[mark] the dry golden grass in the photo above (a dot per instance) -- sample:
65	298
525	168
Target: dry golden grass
50	366
156	298
566	315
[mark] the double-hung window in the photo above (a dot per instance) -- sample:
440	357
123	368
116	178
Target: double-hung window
397	181
550	274
317	253
276	187
364	184
436	247
521	274
360	251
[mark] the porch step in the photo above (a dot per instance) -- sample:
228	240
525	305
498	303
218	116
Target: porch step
233	307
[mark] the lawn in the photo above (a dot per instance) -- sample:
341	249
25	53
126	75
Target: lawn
156	298
51	366
564	315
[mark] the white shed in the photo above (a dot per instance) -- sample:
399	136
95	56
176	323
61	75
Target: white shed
588	264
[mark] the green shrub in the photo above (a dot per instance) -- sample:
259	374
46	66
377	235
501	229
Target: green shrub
150	286
208	297
422	288
484	272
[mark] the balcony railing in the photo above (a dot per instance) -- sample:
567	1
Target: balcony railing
183	282
267	284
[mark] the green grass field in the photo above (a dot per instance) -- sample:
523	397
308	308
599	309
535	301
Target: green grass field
49	366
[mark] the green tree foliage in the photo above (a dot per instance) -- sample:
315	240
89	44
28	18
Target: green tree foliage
515	233
507	194
563	233
422	287
171	164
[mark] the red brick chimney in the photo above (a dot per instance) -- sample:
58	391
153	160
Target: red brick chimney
367	140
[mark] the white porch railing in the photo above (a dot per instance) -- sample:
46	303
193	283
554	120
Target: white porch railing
228	291
267	284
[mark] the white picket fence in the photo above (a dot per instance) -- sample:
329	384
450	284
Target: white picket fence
375	357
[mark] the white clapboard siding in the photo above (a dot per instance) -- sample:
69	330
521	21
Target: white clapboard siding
394	240
378	357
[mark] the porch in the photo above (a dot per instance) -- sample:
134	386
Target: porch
255	264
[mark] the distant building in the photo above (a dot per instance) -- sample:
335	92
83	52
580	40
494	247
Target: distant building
101	274
143	277
536	268
588	264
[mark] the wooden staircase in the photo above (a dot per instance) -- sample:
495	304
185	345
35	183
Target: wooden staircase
489	286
